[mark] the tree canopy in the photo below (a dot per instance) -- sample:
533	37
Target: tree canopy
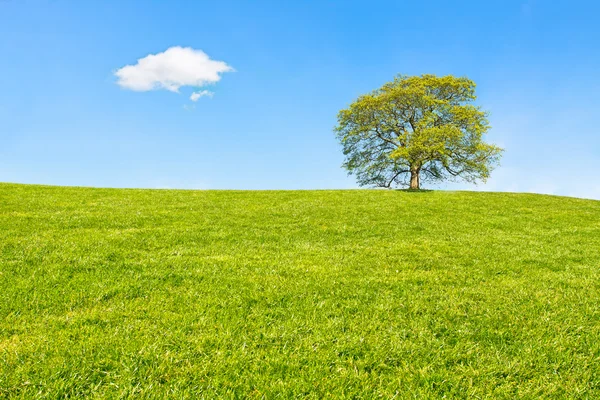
415	129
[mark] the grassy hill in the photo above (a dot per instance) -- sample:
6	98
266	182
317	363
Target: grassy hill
325	294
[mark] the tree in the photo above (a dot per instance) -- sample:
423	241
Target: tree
414	129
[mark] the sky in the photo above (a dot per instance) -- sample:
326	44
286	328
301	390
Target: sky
244	95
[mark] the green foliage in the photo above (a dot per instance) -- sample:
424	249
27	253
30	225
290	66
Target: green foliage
109	293
420	126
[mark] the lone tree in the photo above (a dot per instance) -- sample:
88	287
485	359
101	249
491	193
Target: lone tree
414	129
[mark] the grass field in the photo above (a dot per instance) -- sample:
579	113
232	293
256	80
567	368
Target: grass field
113	293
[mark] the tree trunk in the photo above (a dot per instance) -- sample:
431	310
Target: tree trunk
414	178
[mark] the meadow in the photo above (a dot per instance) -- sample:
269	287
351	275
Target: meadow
119	293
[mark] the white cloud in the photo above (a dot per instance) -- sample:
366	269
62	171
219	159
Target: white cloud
172	69
196	95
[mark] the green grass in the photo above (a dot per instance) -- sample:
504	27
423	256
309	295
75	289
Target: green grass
113	293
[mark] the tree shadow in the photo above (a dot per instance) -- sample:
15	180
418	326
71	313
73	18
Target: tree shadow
414	190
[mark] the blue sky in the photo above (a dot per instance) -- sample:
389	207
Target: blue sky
64	120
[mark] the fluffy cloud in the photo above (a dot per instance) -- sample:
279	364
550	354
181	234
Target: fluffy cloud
196	95
172	69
